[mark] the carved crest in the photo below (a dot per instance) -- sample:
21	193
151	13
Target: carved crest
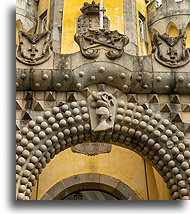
34	49
171	51
102	109
92	41
90	18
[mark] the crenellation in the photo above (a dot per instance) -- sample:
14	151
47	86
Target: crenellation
169	11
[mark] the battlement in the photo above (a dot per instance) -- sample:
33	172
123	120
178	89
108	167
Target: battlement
167	8
160	13
26	13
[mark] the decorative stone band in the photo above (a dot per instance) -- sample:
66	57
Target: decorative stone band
171	51
88	181
120	75
34	49
134	127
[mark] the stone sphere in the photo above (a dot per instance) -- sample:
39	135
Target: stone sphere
48	130
175	151
21	161
64	107
54	139
18	137
55	110
25	153
184	165
19	149
34	159
39	119
80	128
82	103
66	132
187	154
44	125
59	116
180	158
47	114
36	129
121	104
20	196
48	143
62	123
51	120
55	126
30	146
36	140
24	142
60	135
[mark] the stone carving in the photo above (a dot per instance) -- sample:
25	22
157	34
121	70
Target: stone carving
92	149
90	18
34	49
102	111
92	8
171	51
92	41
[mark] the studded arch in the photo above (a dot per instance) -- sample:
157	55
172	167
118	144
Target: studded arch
135	128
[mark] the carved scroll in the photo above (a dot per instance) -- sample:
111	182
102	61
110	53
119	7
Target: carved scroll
92	41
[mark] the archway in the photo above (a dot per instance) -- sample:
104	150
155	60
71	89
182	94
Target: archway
135	127
90	181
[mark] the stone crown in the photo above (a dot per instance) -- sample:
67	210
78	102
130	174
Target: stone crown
92	8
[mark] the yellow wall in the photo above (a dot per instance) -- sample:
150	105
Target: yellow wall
42	7
188	35
172	30
144	47
114	11
18	28
121	164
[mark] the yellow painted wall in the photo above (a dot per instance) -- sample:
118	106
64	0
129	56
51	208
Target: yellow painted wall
188	35
163	192
144	47
121	164
114	11
42	7
18	28
172	30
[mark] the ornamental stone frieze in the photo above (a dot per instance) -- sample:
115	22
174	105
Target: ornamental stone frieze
131	74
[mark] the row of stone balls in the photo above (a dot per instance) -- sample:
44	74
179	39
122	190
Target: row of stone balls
42	139
160	141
